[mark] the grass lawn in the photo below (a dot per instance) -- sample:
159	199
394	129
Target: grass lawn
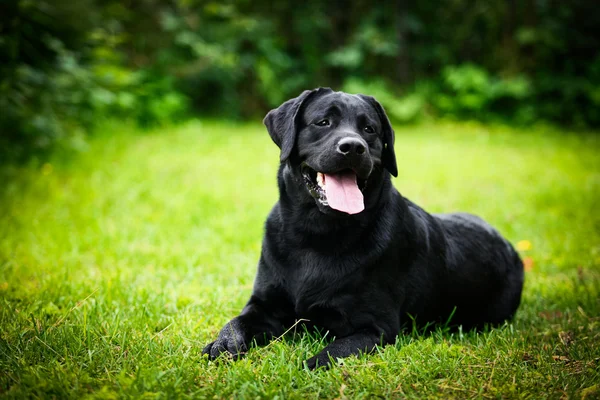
119	263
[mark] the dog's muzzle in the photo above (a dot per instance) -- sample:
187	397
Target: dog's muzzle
341	190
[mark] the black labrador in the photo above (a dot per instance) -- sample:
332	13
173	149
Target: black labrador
345	251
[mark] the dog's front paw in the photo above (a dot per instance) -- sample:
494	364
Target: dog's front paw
231	342
321	360
230	348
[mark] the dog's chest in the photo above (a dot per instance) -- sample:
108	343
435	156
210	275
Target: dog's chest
320	286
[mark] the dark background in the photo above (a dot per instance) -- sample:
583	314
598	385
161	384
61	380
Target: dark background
66	65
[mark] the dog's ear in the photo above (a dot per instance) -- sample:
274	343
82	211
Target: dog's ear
281	122
389	155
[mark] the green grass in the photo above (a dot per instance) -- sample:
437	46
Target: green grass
119	263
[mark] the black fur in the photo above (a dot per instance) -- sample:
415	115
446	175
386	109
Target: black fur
364	276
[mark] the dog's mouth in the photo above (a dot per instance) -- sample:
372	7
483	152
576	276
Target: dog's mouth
341	190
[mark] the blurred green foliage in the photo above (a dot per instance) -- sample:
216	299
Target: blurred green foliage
64	65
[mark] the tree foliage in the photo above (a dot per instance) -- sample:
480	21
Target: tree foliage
64	65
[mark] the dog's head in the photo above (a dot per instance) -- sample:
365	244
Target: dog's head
337	142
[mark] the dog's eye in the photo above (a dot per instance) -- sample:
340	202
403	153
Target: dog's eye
369	129
323	122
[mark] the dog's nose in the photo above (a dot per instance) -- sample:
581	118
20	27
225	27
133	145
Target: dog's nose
351	146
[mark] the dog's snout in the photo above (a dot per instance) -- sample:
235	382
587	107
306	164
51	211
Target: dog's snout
351	146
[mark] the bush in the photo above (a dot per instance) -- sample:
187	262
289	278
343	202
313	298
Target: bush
64	64
401	108
469	91
61	70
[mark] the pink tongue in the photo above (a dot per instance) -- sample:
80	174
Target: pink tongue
343	193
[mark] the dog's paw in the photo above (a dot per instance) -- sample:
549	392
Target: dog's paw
230	349
230	343
321	361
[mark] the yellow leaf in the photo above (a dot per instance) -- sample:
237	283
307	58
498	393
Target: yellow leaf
524	245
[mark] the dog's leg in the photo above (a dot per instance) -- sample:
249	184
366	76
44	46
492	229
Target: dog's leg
258	321
343	347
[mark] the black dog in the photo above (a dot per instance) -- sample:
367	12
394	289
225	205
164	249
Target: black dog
344	250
